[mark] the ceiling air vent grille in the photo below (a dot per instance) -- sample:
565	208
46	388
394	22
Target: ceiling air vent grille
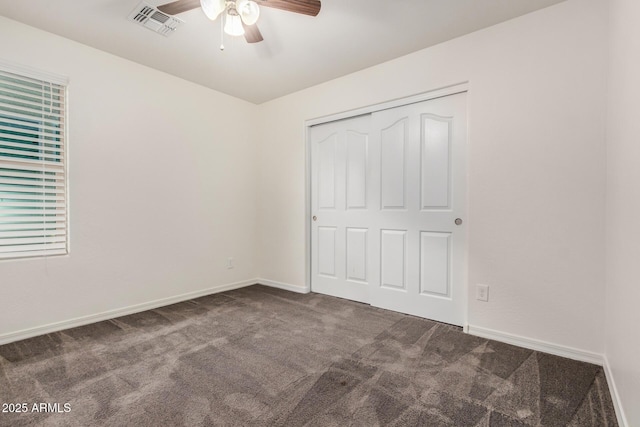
156	21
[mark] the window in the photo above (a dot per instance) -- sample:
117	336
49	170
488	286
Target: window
33	189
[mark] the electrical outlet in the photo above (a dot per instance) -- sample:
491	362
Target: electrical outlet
482	293
230	262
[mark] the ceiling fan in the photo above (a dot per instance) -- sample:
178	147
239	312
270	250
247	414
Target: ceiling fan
240	16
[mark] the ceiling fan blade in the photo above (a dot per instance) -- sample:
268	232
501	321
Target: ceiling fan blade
306	7
179	6
252	33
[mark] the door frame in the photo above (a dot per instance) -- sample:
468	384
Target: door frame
420	97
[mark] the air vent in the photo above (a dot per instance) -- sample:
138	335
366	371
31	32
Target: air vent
151	18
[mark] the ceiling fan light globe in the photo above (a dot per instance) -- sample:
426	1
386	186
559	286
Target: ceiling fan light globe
233	25
212	8
249	11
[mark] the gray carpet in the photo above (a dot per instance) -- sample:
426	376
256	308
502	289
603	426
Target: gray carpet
262	356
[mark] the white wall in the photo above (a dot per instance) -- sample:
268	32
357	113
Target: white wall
162	188
537	191
623	207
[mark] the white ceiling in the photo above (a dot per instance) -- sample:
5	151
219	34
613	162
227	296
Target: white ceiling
298	51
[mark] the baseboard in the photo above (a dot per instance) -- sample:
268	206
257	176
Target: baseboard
615	397
533	344
285	286
106	315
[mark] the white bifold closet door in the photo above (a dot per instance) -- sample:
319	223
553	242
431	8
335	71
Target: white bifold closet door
388	202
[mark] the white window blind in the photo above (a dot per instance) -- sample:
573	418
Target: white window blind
33	189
